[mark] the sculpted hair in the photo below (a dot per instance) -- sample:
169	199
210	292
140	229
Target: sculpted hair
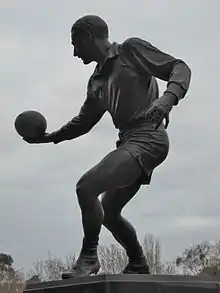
92	23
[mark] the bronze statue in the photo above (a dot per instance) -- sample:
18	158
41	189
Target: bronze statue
124	84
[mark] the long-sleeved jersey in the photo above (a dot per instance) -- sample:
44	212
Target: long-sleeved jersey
125	86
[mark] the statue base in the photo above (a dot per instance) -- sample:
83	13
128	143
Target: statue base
129	284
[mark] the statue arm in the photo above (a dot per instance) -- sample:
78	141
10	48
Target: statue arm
153	62
89	115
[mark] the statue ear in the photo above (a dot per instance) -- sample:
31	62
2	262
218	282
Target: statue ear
90	36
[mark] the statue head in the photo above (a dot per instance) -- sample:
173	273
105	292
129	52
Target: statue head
88	35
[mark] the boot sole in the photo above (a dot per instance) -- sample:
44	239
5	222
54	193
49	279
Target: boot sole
71	275
136	273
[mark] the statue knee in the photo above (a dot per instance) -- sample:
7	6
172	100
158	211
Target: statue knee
87	190
110	216
82	192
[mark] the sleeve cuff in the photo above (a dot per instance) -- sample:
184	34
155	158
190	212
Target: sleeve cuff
177	90
176	100
57	136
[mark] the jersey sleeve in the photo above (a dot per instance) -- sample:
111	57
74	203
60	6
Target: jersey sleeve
89	115
151	61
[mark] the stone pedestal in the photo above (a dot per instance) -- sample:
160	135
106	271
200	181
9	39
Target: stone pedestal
129	284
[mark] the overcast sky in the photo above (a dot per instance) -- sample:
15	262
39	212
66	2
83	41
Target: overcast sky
39	210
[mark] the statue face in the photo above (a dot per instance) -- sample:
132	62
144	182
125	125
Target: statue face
83	46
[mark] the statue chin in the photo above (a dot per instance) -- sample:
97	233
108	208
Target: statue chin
86	61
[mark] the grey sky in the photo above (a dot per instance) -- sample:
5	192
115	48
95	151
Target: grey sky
39	211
